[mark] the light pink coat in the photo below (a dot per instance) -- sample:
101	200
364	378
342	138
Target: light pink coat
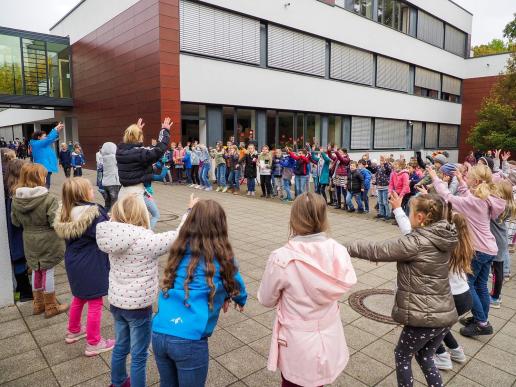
304	280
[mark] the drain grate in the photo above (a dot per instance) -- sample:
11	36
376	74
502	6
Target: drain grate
376	307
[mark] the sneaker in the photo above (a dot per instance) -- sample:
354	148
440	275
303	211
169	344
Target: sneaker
351	210
457	355
208	189
104	345
496	303
443	361
225	189
476	329
361	212
248	193
71	338
378	216
253	193
218	189
466	321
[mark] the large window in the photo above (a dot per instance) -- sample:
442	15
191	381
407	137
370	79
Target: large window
190	116
58	58
360	133
313	128
451	89
291	50
211	31
427	83
246	125
271	129
10	65
431	135
394	14
335	130
34	67
448	136
286	129
363	7
430	29
455	41
392	74
390	134
417	135
351	64
299	129
228	123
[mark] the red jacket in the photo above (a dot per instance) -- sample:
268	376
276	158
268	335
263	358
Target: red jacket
399	182
342	169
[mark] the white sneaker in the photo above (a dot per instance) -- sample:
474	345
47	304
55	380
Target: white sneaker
458	355
225	189
190	185
208	189
248	193
443	361
253	193
218	189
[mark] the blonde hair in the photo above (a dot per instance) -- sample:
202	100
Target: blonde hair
133	135
483	174
75	191
131	210
8	155
504	191
32	175
308	215
401	163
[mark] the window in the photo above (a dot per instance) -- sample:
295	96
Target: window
34	67
291	50
286	129
427	83
448	136
431	134
228	123
455	41
271	128
392	74
451	89
350	64
360	133
390	134
246	125
190	117
10	65
394	14
58	59
417	135
334	130
213	32
363	7
430	29
299	136
313	128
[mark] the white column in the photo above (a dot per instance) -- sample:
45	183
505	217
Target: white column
6	273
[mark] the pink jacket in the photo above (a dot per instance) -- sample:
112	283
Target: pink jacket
477	212
178	155
304	280
399	182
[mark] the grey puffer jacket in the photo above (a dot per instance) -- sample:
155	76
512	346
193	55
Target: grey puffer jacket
423	297
110	169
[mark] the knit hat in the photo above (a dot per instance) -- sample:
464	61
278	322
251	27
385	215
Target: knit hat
441	159
488	161
448	169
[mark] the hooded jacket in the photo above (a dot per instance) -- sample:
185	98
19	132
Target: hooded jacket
323	167
302	163
250	161
110	174
304	280
423	296
343	163
86	265
34	209
265	163
43	151
399	182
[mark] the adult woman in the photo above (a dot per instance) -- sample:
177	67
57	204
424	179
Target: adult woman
43	151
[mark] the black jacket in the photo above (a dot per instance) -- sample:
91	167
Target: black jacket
65	158
250	165
355	182
134	161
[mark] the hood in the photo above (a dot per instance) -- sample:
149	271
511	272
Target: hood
488	161
124	146
27	199
442	234
325	268
496	206
117	238
109	148
402	172
82	218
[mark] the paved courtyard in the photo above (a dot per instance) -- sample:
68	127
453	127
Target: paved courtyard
33	352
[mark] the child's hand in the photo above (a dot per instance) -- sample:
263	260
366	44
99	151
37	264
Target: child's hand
506	156
225	307
140	123
395	200
240	308
193	201
422	189
431	172
459	176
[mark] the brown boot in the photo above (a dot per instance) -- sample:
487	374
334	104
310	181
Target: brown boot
52	307
38	305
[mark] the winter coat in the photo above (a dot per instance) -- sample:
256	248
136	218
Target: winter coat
343	163
86	265
195	321
265	164
399	183
187	160
43	151
232	162
304	280
477	212
302	162
366	174
78	160
250	165
135	161
34	209
65	158
423	295
133	254
499	231
323	167
110	174
219	156
383	176
276	166
288	164
15	234
355	182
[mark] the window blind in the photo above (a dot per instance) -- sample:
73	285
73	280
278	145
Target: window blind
428	79
431	134
360	132
448	136
291	50
430	29
213	32
350	64
417	135
392	74
451	85
455	41
390	134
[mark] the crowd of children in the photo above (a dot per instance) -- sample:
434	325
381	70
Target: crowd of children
454	219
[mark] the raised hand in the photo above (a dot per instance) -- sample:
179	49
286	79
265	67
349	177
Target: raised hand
422	189
395	200
193	201
497	153
506	156
459	176
140	123
167	123
60	126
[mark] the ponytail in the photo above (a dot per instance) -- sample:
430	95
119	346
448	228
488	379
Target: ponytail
462	254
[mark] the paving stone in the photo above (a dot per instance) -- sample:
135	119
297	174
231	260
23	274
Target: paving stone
262	346
486	374
232	361
374	327
9	313
43	378
254	308
231	317
99	381
461	381
503	313
504	342
248	330
222	342
266	319
381	350
60	352
392	381
357	338
20	365
15	345
371	279
344	380
79	370
348	315
12	328
509	329
51	334
37	322
366	369
503	360
264	377
218	376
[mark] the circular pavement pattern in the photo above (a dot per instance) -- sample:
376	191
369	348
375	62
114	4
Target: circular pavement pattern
375	304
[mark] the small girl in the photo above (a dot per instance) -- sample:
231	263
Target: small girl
133	282
250	159
423	300
77	160
233	163
323	171
304	281
34	209
220	167
276	171
110	179
287	164
340	174
201	277
86	266
65	159
399	181
265	168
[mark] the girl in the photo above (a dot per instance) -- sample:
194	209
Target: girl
234	169
277	187
479	206
220	168
77	160
265	168
340	178
205	165
399	181
201	277
178	155
301	170
110	180
423	300
196	183
304	281
34	209
323	171
382	187
287	164
133	282
86	266
499	230
65	159
250	159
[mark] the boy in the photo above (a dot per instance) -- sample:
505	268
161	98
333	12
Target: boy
355	187
367	175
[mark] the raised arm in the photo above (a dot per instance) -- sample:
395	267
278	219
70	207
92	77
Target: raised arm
402	249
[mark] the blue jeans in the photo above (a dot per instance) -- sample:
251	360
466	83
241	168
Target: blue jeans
188	175
358	199
300	184
152	207
164	172
316	184
251	184
383	203
181	362
286	188
220	173
365	199
205	180
132	335
234	179
480	265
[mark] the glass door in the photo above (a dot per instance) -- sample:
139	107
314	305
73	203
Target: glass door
286	129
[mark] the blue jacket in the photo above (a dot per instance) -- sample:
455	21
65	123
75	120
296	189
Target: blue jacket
367	178
15	235
43	151
192	319
187	160
65	158
78	160
324	172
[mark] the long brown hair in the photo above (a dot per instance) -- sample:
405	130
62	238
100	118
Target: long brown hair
75	191
12	175
308	215
205	233
32	175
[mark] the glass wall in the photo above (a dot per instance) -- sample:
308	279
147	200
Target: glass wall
58	59
286	129
189	122
228	123
313	128
246	125
395	14
10	65
334	130
299	132
271	129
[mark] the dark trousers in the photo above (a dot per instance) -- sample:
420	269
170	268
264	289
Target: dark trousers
66	169
497	268
266	184
463	303
49	180
110	195
322	191
195	174
77	171
286	383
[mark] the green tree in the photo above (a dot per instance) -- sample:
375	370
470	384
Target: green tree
509	32
495	46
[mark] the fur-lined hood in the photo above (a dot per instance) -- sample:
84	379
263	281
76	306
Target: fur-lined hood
82	218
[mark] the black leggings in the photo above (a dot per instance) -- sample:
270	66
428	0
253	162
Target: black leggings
463	303
266	184
195	175
497	268
421	342
322	191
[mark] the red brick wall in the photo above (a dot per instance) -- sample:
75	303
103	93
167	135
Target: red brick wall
474	92
120	74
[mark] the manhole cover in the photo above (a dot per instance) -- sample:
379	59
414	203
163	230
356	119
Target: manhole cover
375	304
166	216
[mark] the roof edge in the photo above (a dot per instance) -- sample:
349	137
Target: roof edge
67	14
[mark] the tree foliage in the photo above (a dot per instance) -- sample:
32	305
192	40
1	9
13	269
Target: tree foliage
495	46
